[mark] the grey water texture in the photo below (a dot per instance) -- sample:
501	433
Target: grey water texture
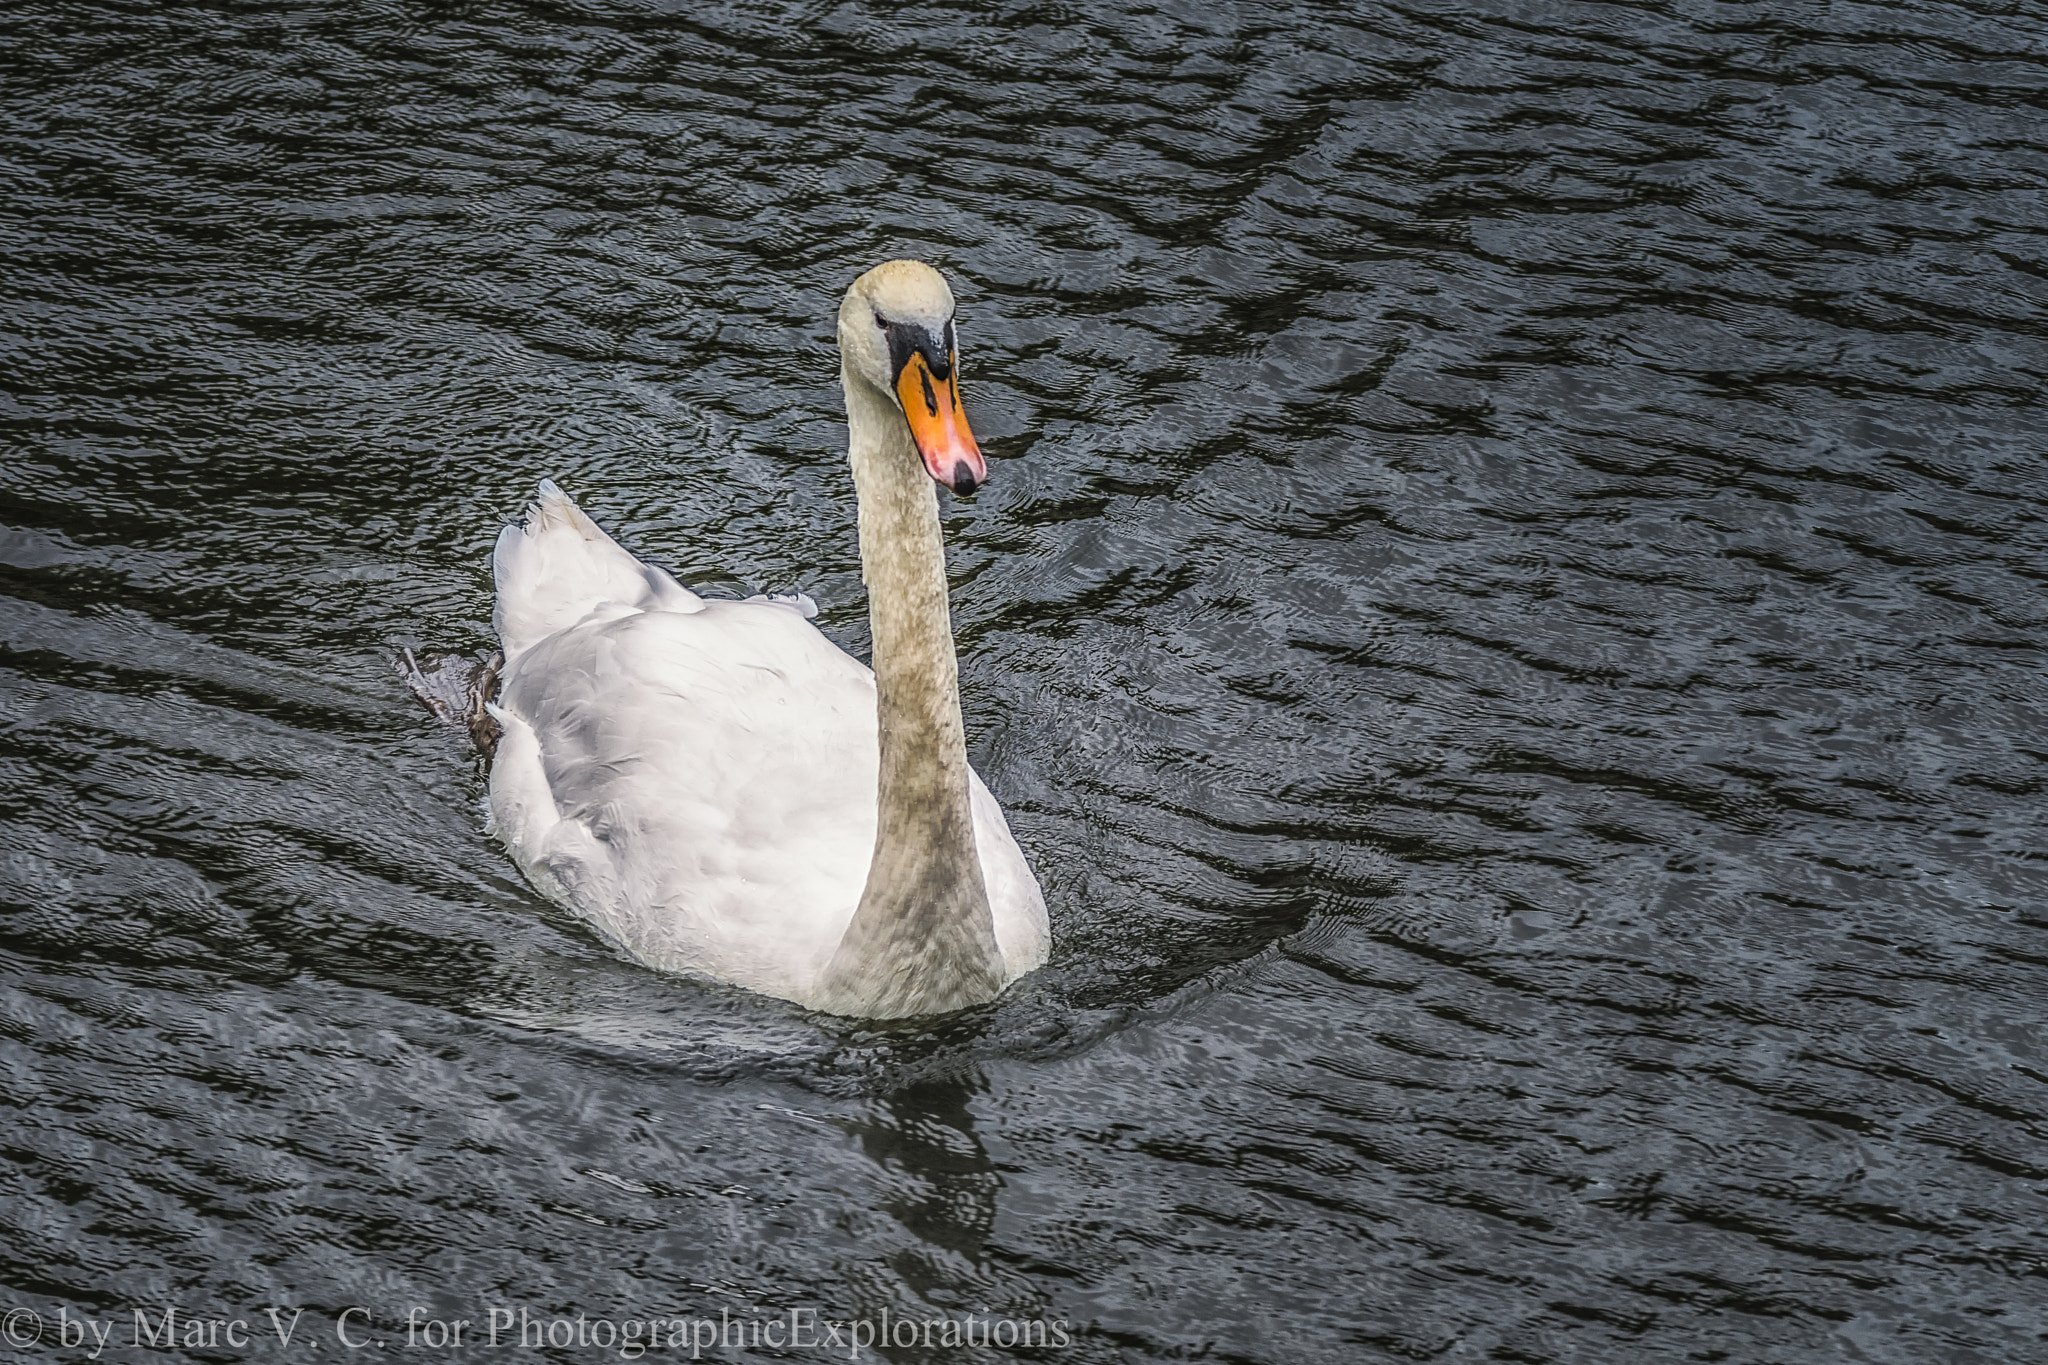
1509	617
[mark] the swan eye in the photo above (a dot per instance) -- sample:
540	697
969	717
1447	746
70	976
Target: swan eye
881	322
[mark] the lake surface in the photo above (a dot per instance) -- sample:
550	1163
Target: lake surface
1509	618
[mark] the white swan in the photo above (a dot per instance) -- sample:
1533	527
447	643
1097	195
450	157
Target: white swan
702	779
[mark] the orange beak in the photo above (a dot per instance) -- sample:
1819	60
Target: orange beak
939	426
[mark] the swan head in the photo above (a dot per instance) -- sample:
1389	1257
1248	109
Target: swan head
896	333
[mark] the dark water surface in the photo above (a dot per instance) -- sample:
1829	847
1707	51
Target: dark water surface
1510	619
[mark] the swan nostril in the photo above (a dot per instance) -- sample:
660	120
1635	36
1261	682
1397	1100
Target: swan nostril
963	478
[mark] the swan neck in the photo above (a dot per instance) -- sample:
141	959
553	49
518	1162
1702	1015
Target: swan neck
922	940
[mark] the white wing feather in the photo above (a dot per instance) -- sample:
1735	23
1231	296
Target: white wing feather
560	566
698	779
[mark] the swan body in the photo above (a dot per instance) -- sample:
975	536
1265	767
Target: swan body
721	790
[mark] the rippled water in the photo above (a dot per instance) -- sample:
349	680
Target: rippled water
1509	619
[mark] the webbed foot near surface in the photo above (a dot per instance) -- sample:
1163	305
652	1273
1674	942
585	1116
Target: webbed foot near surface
455	688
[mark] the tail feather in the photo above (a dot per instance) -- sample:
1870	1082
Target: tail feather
559	566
